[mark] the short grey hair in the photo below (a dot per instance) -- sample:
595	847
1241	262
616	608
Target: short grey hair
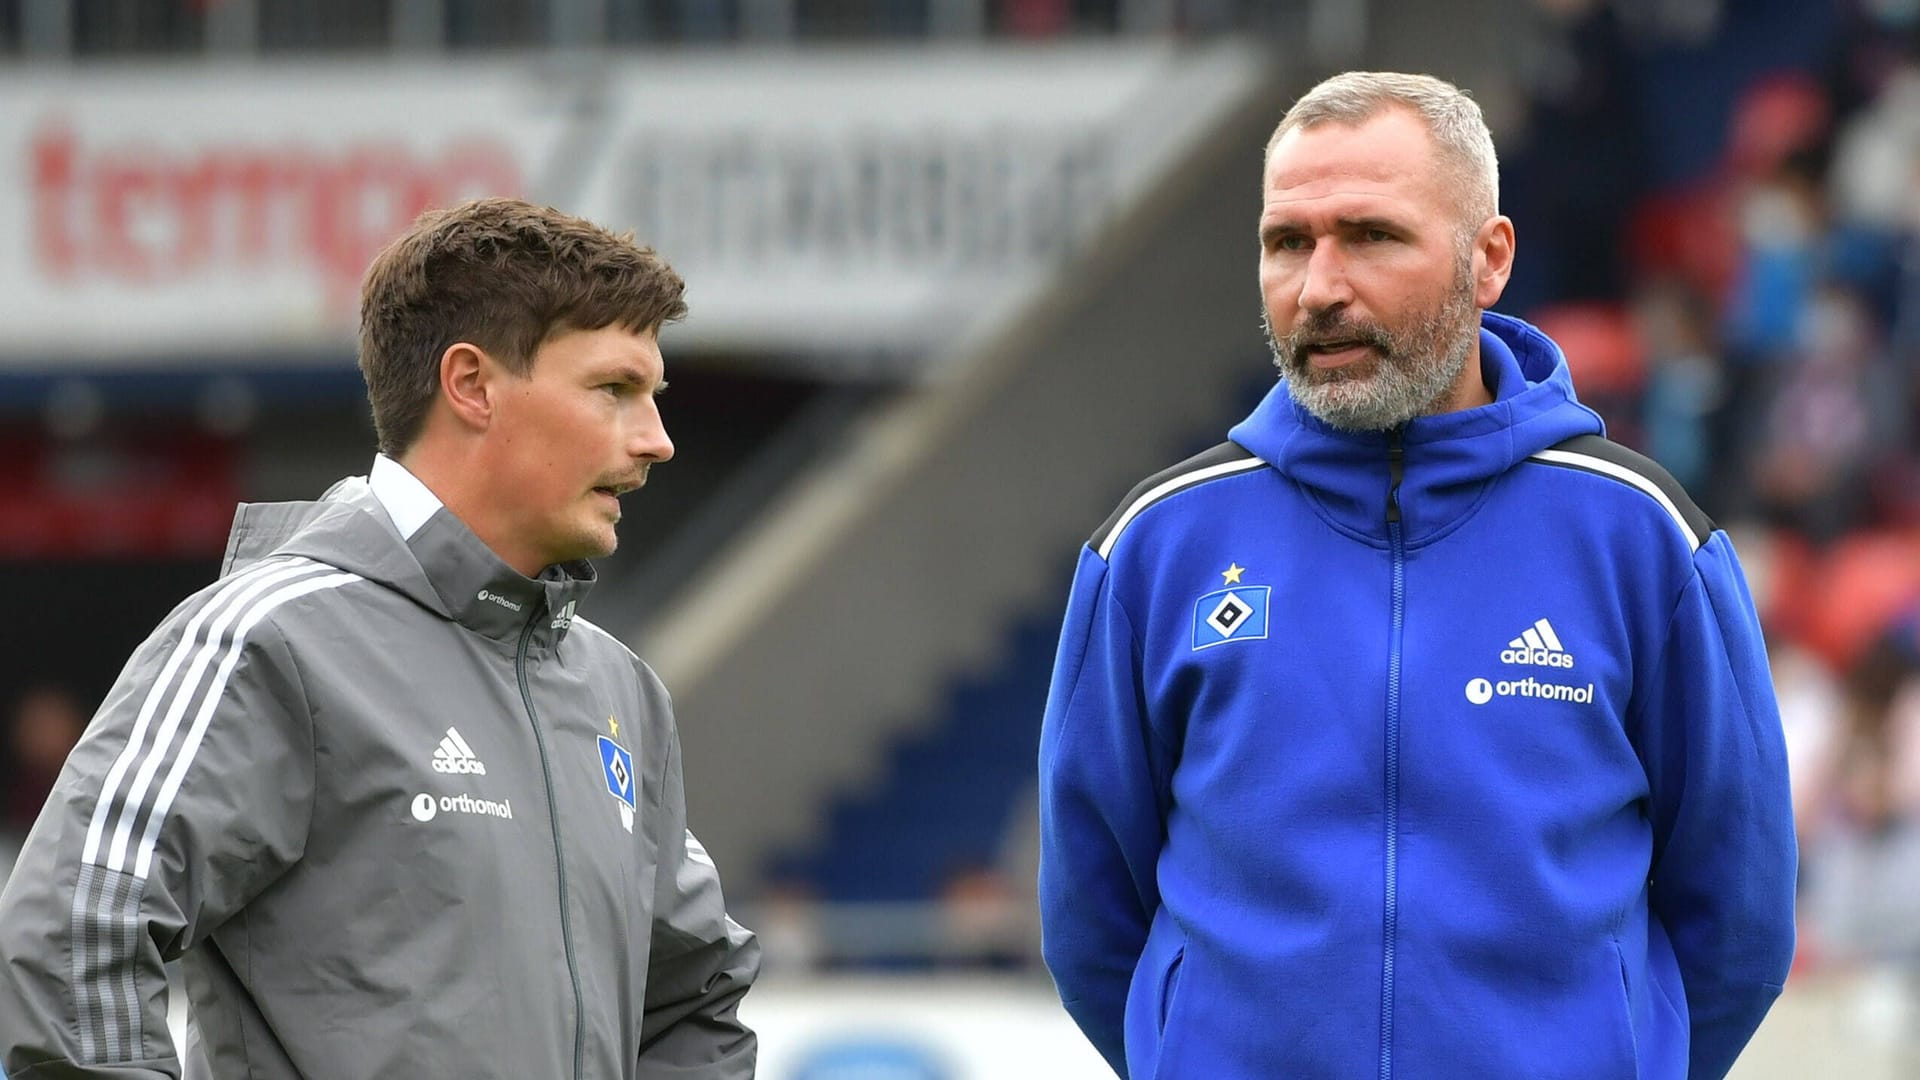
1452	118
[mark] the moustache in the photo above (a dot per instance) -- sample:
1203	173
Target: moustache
620	485
1329	329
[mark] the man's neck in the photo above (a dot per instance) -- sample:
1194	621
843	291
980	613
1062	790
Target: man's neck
460	486
1470	390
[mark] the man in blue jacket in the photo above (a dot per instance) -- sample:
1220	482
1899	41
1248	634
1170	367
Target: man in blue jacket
1417	731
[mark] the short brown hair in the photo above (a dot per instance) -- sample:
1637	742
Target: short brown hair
506	276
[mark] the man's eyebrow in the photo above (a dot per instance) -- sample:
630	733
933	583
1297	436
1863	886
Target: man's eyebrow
1288	226
1282	227
626	373
1361	224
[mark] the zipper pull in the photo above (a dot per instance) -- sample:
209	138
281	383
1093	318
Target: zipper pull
1396	469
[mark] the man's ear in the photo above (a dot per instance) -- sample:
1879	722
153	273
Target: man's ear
467	378
1493	260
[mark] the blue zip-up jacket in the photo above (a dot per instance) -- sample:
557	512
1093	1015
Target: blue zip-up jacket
1447	752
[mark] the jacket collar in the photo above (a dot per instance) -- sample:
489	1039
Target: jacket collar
1449	459
484	594
389	527
474	585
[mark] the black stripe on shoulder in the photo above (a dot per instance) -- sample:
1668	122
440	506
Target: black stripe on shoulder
1649	471
1195	470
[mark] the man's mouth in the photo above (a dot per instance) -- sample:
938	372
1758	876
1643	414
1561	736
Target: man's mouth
1335	353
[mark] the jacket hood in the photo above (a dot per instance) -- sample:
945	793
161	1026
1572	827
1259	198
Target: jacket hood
1449	459
443	566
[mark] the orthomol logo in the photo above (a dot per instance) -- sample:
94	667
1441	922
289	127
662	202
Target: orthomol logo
425	807
496	598
1481	691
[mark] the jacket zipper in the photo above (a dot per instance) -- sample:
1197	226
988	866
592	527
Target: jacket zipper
1395	469
559	856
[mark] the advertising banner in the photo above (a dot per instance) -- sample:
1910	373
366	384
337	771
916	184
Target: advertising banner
817	202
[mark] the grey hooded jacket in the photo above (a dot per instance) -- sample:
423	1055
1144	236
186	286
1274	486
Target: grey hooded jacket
397	812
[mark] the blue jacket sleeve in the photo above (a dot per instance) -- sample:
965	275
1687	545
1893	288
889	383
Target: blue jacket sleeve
1102	799
1724	859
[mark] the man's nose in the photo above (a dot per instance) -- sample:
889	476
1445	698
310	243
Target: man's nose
1324	285
651	444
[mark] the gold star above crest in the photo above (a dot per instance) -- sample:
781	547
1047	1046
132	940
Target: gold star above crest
1232	573
613	725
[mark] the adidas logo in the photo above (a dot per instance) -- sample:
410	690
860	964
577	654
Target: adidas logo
453	755
1538	646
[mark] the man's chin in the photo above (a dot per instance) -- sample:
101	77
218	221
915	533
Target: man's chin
590	545
1347	405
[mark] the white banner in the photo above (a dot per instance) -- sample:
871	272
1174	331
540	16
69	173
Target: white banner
815	201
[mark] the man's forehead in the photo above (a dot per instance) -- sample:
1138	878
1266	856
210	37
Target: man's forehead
1342	209
1299	172
1388	146
608	349
1386	163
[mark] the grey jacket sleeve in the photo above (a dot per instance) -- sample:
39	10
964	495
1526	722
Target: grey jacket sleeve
188	794
702	961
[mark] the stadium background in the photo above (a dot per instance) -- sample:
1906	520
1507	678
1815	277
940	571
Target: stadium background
961	271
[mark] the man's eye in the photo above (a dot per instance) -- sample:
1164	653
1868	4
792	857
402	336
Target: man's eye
1378	236
1293	242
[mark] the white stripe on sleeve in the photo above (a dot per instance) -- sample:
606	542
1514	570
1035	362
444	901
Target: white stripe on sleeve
211	703
157	694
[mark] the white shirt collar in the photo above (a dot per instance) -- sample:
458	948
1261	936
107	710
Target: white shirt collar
407	501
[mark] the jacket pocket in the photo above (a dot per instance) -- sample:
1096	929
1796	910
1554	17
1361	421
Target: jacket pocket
1625	1026
1169	985
1169	989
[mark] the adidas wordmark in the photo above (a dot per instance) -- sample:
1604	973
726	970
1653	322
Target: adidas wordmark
1538	646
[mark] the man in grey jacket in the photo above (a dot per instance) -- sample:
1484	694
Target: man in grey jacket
396	809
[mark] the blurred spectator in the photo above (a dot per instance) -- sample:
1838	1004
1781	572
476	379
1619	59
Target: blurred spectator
47	721
788	924
985	920
1781	217
1864	866
1685	386
1876	176
1838	408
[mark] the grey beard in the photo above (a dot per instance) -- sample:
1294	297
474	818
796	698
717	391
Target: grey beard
1412	374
